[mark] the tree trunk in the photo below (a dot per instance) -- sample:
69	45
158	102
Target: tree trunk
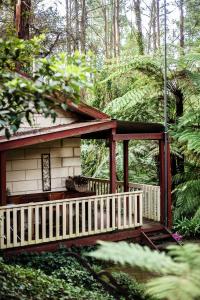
105	16
139	36
22	18
76	7
154	26
83	27
158	22
68	25
182	37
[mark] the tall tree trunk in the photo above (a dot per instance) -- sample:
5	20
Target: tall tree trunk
154	26
139	35
114	29
117	28
22	18
150	28
76	7
105	16
158	22
83	27
182	37
68	25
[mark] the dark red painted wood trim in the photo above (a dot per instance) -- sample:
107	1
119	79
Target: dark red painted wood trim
169	181
161	179
3	178
32	140
139	136
125	162
78	242
113	175
87	110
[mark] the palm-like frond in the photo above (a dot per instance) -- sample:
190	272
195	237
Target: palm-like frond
180	269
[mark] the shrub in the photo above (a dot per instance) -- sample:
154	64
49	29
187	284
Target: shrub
134	289
188	227
25	283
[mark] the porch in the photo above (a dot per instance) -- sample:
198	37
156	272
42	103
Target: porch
109	210
36	223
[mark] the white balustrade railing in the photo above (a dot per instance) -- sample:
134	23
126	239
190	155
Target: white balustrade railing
151	194
41	222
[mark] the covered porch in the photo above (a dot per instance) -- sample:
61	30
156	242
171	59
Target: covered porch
108	206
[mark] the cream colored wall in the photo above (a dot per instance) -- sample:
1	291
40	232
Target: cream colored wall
24	175
40	121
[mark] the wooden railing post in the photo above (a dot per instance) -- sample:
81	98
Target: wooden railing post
169	208
125	161
112	148
161	179
3	178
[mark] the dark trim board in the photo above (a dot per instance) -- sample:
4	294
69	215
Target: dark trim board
114	236
138	136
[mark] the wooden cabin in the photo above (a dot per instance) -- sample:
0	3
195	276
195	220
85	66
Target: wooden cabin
36	210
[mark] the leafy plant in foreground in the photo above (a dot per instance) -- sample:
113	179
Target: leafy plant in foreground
179	269
188	227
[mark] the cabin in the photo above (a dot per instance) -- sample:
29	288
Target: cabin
38	212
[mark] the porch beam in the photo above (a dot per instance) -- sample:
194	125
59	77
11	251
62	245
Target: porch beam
112	148
3	178
161	179
169	183
125	162
139	136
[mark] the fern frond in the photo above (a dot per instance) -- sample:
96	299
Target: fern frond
135	255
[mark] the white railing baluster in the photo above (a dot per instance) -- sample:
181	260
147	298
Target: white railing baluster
107	213
30	225
70	219
77	218
64	223
83	217
36	224
89	217
101	214
50	222
113	213
15	227
119	212
95	216
8	227
21	227
44	220
57	224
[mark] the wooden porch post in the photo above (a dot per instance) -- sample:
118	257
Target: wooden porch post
169	181
112	148
161	179
125	161
2	178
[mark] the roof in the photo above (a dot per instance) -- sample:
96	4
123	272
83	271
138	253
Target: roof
138	127
41	135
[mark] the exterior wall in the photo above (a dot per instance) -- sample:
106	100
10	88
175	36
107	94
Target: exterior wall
23	168
40	121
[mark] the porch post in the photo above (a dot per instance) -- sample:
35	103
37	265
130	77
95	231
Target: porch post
125	161
112	148
169	182
161	179
2	178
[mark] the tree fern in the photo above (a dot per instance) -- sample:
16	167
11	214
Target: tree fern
180	269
